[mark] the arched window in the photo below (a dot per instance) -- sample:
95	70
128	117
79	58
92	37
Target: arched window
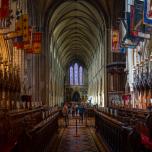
80	75
71	75
76	74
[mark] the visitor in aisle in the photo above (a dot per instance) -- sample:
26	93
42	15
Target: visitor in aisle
81	112
65	114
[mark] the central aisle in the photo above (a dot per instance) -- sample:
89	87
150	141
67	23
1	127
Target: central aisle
83	143
87	141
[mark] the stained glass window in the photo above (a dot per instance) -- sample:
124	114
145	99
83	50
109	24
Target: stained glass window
76	74
71	75
80	75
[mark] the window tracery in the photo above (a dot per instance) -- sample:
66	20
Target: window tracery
76	74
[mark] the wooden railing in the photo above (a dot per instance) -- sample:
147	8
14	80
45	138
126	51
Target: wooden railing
14	126
113	132
124	131
125	115
38	138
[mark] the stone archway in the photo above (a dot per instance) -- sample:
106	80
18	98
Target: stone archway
76	96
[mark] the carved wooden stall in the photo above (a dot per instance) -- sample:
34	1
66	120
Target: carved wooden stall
39	123
115	75
38	138
142	75
120	128
112	132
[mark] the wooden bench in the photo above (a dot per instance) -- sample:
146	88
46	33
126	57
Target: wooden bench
38	138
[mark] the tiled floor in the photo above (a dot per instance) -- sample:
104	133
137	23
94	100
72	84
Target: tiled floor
83	143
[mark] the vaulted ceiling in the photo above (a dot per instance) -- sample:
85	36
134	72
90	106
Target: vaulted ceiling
77	26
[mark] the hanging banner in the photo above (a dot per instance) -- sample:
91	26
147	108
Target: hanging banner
148	12
19	26
4	9
36	43
18	40
37	38
126	39
22	30
115	41
28	43
136	17
137	28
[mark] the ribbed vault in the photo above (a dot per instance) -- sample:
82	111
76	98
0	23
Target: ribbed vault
76	31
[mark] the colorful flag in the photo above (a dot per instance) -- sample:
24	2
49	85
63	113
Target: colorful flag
18	40
148	12
137	28
137	16
4	9
22	30
115	41
19	26
129	40
28	43
36	43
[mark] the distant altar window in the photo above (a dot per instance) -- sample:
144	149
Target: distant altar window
71	75
80	74
76	74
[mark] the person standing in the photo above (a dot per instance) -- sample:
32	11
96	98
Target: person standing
76	109
73	110
81	112
65	114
